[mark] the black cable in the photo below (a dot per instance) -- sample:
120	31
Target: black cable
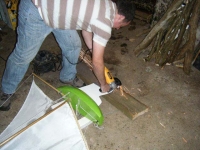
2	58
46	61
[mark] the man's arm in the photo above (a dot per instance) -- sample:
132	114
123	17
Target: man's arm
87	36
98	66
97	59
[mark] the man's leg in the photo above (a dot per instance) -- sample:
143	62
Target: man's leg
31	33
70	44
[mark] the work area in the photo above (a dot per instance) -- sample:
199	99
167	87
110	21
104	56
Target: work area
158	107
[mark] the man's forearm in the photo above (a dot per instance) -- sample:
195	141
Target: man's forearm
98	70
98	66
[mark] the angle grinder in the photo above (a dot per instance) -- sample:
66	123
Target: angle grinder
113	82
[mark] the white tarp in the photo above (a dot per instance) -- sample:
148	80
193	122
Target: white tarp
58	130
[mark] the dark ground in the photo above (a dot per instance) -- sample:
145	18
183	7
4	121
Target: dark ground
173	98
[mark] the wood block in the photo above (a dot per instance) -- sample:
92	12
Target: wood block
127	104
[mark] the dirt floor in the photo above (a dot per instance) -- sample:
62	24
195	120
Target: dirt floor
173	98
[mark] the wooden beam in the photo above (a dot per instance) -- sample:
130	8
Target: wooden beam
127	104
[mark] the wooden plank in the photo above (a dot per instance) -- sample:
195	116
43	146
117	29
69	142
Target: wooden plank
127	104
144	16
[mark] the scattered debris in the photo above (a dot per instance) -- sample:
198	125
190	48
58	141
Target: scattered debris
126	89
139	90
132	40
122	92
184	140
124	48
162	125
148	69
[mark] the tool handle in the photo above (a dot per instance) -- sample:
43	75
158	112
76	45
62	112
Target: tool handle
108	76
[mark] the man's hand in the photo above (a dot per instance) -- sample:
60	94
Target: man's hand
105	88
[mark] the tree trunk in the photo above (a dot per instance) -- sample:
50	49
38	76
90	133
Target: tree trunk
192	38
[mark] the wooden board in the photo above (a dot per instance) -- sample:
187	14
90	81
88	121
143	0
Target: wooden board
130	106
144	16
127	104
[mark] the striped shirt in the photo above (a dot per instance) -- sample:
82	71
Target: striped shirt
95	16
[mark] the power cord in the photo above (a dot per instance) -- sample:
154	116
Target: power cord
2	58
46	61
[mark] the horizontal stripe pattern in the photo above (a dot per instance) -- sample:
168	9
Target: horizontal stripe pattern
95	16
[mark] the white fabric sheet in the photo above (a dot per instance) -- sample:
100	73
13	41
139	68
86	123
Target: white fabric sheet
56	131
34	107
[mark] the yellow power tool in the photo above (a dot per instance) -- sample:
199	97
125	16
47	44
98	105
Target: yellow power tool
113	82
